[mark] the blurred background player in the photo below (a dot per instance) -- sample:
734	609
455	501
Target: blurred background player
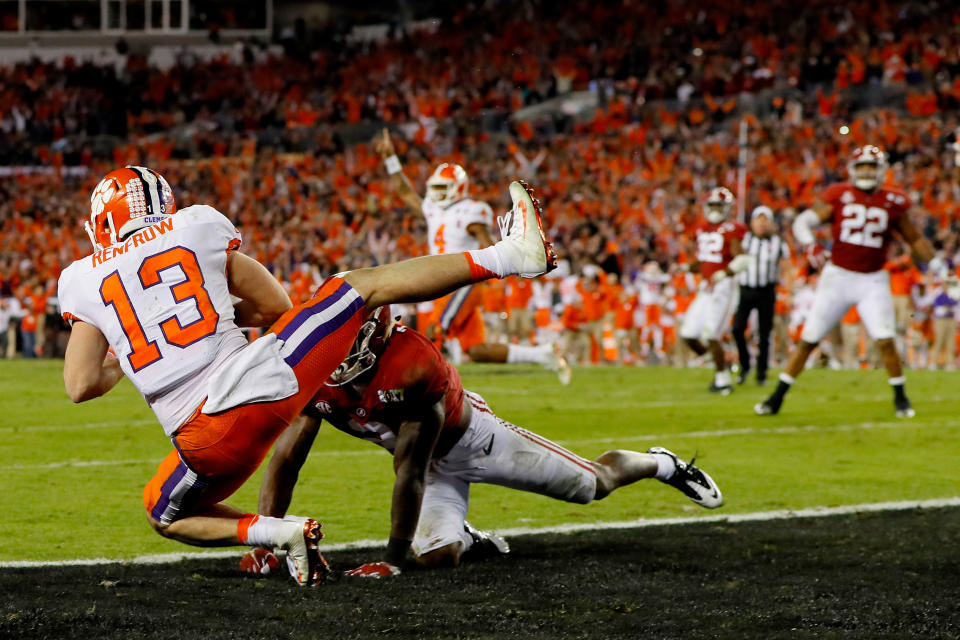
457	223
758	289
719	256
864	216
396	390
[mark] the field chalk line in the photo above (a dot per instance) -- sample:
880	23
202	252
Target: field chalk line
760	516
566	442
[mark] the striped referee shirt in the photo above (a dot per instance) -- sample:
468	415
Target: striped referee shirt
764	269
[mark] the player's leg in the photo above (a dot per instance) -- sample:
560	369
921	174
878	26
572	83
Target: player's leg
522	251
834	295
877	315
443	536
495	451
722	304
693	322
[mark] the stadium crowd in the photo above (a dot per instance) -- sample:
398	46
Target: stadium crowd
623	188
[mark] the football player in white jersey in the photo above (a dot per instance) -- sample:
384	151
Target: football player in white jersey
458	223
157	291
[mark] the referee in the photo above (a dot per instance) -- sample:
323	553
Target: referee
758	289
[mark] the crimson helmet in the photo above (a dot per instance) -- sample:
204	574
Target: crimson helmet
866	167
448	184
370	344
719	204
126	200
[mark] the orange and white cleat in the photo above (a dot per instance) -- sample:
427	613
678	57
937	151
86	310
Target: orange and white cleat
524	242
304	560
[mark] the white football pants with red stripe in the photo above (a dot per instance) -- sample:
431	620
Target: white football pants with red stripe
493	451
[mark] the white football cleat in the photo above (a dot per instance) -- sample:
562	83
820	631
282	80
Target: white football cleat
300	537
521	230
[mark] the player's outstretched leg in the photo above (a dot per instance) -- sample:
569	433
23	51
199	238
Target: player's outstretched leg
523	251
619	468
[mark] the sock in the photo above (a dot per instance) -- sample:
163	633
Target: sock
666	467
257	531
520	353
487	263
722	378
782	387
898	387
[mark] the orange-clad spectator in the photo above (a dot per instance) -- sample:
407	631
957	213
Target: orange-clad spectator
903	277
519	292
850	337
495	310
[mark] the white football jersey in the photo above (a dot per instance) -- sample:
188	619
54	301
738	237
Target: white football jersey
447	226
161	299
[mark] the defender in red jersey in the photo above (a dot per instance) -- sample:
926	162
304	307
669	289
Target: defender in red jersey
719	256
396	390
864	217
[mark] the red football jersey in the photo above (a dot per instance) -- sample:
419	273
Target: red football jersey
862	222
411	375
713	245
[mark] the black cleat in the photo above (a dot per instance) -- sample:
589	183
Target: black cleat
692	481
769	407
904	408
742	376
723	390
486	544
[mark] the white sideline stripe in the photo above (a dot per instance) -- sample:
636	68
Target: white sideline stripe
721	433
642	523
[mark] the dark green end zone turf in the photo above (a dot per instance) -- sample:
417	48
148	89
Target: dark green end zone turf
890	575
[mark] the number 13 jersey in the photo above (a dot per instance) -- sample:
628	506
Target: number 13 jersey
161	299
862	222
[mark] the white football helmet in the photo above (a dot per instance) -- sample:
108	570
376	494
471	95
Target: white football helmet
866	167
448	184
718	206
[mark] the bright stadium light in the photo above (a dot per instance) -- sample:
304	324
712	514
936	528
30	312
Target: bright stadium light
844	130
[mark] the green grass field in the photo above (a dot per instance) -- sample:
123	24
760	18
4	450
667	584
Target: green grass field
73	474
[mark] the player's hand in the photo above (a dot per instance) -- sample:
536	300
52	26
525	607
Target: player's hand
374	570
259	562
719	276
383	145
816	256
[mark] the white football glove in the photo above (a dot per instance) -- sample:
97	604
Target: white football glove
719	276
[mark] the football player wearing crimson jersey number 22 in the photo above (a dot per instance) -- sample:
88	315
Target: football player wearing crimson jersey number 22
719	256
395	390
157	291
864	216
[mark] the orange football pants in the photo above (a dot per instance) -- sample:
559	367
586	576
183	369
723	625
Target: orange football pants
215	454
